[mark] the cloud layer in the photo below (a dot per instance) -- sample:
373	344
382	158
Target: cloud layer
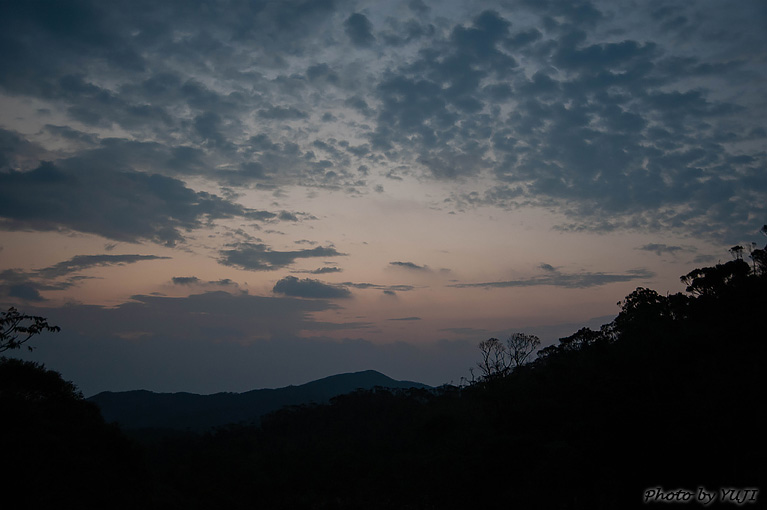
593	109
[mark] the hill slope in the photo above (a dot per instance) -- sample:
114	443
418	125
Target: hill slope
146	409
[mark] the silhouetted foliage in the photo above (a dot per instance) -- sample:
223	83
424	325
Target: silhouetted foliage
16	328
56	449
714	281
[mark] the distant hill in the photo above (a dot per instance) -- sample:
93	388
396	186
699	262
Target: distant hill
146	409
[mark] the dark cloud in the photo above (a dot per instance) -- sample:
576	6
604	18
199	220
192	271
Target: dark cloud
16	284
409	265
326	270
660	249
185	280
606	134
24	292
55	39
556	278
308	288
80	262
259	257
322	73
193	281
405	319
359	30
434	107
72	135
120	205
385	288
322	270
282	113
27	285
288	216
403	32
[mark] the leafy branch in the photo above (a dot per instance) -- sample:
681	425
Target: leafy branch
16	328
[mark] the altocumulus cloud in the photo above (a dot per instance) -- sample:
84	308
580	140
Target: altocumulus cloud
309	288
555	109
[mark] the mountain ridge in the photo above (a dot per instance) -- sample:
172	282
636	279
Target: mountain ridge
138	409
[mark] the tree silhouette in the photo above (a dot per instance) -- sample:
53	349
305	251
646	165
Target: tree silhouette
498	359
494	358
713	281
521	346
17	328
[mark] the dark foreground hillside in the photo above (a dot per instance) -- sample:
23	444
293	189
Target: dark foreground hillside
667	398
56	451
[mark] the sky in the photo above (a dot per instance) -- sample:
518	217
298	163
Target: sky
226	195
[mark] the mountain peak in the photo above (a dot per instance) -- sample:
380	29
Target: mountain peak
144	409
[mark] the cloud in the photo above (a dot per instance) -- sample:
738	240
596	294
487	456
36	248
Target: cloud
185	280
119	205
569	144
571	281
80	262
198	284
308	288
405	319
241	317
359	30
27	285
24	292
259	257
651	118
321	270
659	248
282	113
409	265
326	270
385	288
